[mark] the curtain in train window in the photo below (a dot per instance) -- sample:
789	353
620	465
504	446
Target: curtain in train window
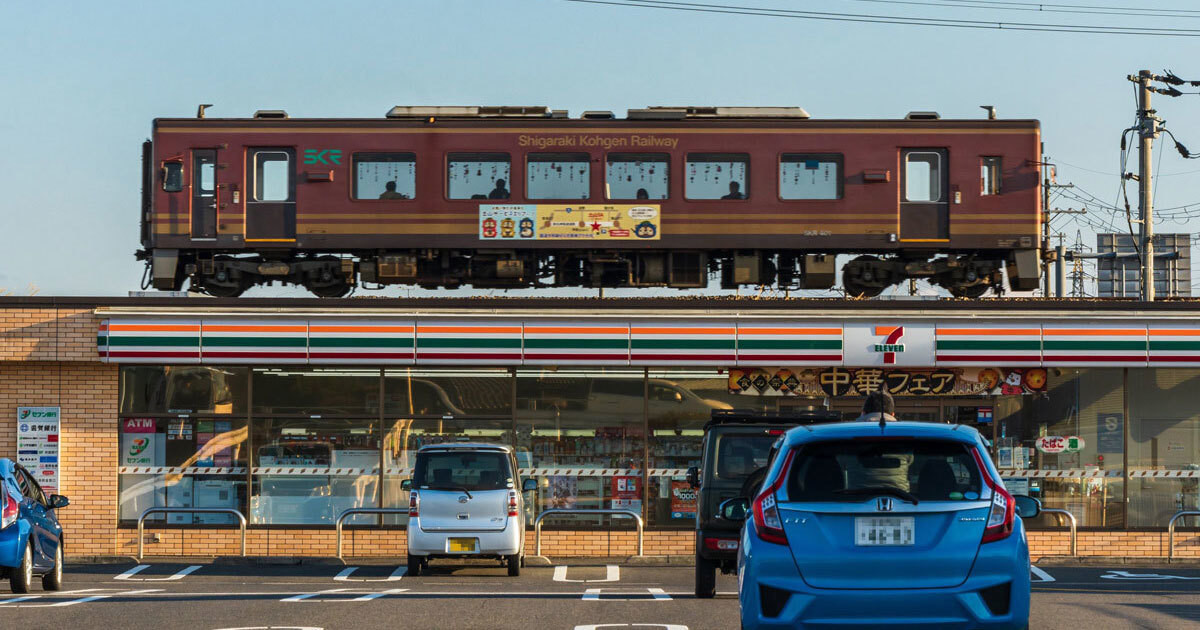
478	176
558	176
989	175
385	175
810	176
717	176
637	175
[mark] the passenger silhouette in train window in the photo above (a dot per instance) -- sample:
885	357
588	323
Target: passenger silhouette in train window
734	191
642	194
499	192
391	193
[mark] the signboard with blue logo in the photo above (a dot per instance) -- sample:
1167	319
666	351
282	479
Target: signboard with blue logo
37	444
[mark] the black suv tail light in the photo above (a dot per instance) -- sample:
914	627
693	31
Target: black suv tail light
772	599
997	598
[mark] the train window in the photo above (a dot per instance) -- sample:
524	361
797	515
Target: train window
810	176
923	177
717	176
558	176
478	176
637	175
271	179
172	176
989	175
385	175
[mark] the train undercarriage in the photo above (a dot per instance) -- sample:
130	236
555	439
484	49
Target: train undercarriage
967	275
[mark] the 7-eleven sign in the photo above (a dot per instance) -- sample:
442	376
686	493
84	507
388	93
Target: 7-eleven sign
891	342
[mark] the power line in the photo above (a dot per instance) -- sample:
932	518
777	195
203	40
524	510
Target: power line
985	5
724	9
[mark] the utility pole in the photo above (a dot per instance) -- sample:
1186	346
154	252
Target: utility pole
1147	132
1045	244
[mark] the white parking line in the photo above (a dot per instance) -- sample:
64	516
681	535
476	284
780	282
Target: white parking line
1126	575
664	626
1042	575
344	576
90	598
179	575
18	599
593	595
613	574
338	591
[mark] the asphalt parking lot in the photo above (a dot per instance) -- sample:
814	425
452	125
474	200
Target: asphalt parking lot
569	596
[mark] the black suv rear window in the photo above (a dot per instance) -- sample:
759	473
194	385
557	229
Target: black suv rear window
739	454
473	470
848	470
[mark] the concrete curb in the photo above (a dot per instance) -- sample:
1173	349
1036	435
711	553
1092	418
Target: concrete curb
1108	561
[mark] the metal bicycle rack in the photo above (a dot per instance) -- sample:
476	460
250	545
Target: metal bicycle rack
537	524
1071	519
1171	530
142	521
345	513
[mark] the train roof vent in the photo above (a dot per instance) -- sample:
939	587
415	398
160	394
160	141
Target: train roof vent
502	111
270	113
679	113
923	116
597	114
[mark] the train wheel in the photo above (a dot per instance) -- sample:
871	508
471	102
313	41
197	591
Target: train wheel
855	278
224	290
330	290
973	291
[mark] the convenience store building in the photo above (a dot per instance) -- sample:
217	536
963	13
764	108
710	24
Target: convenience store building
291	411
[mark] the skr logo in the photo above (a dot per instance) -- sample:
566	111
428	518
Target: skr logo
319	156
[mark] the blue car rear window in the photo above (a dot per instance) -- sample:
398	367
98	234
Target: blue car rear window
842	470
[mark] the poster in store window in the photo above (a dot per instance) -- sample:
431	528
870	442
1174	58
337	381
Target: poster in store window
683	500
563	492
625	494
37	444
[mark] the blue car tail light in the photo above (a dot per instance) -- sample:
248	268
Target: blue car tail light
8	514
1003	513
767	522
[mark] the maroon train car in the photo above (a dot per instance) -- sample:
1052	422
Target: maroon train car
525	196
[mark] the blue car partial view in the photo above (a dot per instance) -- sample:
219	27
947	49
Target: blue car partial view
883	525
31	539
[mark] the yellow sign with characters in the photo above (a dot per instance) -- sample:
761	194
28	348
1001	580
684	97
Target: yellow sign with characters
598	222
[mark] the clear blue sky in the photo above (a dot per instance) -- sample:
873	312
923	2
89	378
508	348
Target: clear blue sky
82	81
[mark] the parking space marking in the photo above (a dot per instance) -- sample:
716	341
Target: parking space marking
1126	575
89	598
179	575
344	576
613	574
594	595
18	599
1041	575
309	597
664	626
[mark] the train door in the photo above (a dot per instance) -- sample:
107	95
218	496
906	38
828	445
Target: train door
271	202
204	194
924	195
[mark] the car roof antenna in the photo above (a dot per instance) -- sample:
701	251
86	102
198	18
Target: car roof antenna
883	395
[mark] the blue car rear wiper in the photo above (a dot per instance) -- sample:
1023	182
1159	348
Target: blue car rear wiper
873	490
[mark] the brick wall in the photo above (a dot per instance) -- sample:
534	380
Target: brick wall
48	334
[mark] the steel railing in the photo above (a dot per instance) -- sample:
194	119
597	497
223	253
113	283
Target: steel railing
1171	530
1071	519
537	524
342	519
142	521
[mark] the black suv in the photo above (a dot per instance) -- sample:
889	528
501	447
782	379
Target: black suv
738	445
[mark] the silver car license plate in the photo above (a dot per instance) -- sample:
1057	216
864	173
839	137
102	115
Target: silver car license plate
870	531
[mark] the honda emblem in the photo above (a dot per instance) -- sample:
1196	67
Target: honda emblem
883	504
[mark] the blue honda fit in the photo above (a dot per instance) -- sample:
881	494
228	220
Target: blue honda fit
870	525
31	540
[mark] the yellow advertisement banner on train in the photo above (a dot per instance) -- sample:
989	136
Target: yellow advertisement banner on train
588	222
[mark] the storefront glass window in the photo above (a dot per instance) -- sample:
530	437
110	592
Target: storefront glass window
680	402
307	470
316	391
1164	435
184	462
583	430
1086	404
183	389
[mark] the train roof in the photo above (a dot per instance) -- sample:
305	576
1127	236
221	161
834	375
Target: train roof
502	116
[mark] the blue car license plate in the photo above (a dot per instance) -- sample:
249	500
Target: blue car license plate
870	531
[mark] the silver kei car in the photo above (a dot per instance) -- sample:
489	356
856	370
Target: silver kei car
466	499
